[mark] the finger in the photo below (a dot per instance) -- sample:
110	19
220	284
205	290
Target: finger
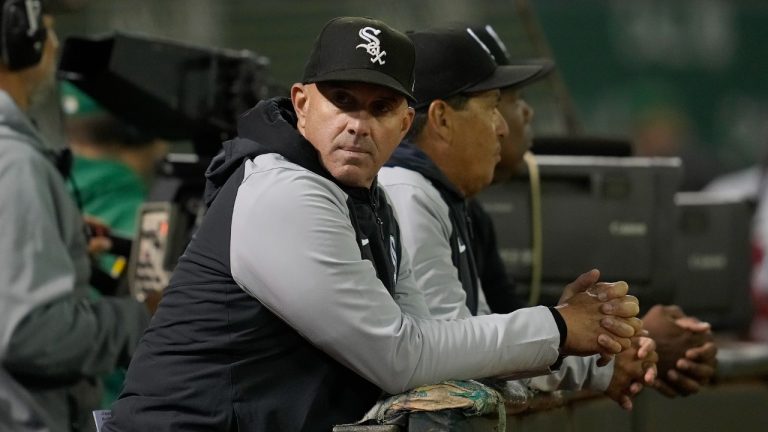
684	385
674	311
646	346
623	307
652	358
699	371
95	226
635	388
706	352
625	402
650	373
622	327
693	324
665	389
636	324
582	283
97	245
655	310
609	290
611	344
91	218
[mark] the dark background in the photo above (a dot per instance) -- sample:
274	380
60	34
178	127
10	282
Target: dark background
698	65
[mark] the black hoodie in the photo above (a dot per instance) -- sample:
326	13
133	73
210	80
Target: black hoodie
214	358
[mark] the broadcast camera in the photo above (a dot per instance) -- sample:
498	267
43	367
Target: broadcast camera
180	93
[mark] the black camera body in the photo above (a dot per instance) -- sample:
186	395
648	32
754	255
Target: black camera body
168	89
180	93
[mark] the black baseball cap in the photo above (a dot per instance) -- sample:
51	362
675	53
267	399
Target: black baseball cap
362	50
455	61
499	52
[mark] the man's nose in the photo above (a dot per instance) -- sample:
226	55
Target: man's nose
359	123
501	126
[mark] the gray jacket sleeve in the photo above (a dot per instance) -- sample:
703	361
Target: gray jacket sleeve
69	338
575	373
49	327
294	249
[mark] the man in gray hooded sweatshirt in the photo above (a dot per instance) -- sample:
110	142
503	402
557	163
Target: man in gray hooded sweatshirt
53	338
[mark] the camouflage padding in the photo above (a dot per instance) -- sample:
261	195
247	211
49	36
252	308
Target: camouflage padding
471	397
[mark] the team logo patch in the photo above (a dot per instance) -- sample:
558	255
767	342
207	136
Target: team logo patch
373	47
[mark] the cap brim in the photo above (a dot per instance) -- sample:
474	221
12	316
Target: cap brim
366	76
547	66
507	76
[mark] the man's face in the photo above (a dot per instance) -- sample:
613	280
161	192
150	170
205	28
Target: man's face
355	127
476	145
518	115
41	77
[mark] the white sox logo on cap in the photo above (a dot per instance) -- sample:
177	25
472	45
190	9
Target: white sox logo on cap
373	47
372	65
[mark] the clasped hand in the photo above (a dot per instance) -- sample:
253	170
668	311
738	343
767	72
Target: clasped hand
600	317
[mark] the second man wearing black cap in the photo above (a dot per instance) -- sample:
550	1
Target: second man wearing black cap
449	156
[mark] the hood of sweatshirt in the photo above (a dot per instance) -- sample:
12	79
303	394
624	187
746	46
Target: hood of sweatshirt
269	127
15	123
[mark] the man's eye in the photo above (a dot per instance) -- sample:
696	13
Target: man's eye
380	108
341	99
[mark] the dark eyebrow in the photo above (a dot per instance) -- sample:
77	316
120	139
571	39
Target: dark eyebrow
389	99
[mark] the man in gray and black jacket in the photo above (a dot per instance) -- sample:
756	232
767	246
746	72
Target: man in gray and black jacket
294	306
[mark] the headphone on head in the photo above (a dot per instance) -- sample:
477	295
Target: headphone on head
22	33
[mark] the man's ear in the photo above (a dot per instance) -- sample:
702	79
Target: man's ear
407	122
300	100
440	119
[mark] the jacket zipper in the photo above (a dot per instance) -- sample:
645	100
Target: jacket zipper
384	243
375	208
